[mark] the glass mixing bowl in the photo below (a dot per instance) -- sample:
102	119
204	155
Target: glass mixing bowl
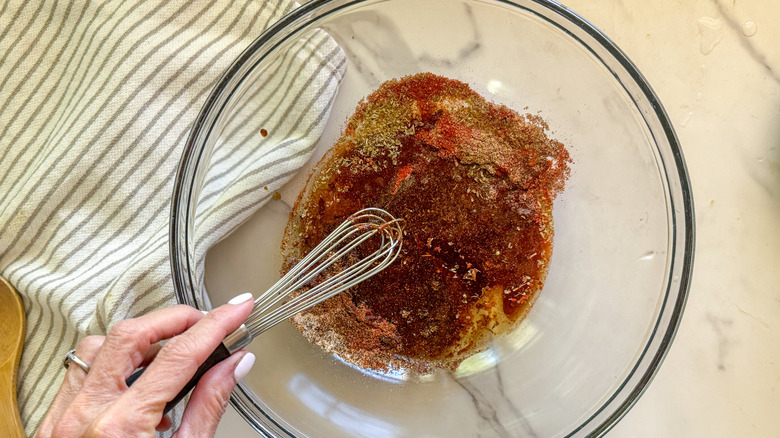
624	229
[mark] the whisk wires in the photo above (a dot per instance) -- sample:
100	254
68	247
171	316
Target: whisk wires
353	232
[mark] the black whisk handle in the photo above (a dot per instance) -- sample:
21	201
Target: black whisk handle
218	355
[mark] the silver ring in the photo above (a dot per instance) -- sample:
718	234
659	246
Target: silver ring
70	357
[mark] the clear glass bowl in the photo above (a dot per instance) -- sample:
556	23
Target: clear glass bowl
624	229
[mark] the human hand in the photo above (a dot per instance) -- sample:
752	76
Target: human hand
100	403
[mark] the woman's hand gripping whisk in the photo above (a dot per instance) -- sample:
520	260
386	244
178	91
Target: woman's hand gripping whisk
363	245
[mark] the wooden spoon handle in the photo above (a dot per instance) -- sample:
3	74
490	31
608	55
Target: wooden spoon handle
12	339
10	421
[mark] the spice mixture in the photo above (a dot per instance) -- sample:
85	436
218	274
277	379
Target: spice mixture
475	183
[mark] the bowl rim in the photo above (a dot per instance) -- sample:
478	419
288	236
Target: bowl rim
183	268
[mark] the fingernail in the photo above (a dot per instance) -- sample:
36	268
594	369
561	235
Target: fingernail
241	298
244	365
204	312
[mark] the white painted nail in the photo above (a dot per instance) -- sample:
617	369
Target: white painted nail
244	365
241	298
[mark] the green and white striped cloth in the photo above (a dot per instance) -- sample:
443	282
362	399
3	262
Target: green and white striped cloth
96	101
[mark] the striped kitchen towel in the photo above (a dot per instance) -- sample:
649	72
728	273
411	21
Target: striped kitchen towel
96	102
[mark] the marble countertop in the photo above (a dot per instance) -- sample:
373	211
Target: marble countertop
716	68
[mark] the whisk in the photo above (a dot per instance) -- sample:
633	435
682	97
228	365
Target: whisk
281	302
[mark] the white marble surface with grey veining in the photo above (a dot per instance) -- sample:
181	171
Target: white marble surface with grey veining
715	65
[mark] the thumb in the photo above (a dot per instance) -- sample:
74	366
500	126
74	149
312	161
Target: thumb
211	395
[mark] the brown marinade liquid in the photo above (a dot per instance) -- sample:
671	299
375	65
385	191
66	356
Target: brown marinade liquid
475	183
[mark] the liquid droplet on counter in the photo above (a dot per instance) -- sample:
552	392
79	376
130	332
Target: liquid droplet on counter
749	28
648	255
710	34
687	119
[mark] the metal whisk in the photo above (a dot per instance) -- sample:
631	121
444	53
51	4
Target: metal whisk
357	230
353	232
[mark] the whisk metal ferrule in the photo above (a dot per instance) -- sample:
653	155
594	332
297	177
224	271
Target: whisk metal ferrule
237	340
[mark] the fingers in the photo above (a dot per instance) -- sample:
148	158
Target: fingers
86	350
150	355
177	362
100	403
165	424
211	396
128	342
